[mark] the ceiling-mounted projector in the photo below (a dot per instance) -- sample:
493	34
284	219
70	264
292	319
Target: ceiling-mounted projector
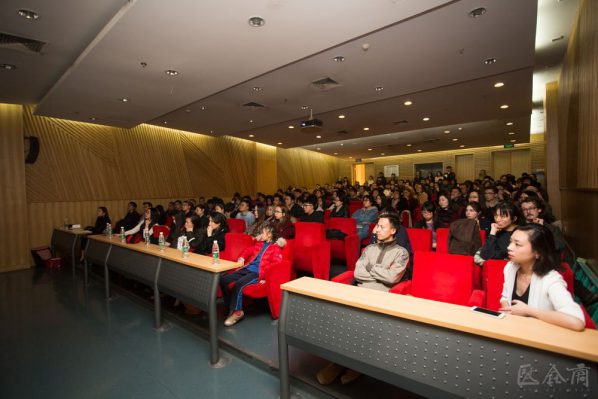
312	124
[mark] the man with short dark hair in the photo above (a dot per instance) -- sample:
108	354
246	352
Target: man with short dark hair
245	213
309	211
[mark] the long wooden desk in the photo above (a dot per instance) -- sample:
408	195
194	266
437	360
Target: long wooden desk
193	279
434	349
66	241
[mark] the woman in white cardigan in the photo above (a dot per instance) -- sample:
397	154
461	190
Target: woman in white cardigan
533	286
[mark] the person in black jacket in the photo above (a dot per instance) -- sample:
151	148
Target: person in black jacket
130	220
506	218
102	219
309	211
339	209
216	230
194	232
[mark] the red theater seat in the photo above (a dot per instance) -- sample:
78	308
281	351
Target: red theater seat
236	225
275	276
442	277
346	250
420	239
311	251
234	244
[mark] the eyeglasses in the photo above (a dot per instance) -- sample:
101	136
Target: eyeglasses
304	205
533	208
277	211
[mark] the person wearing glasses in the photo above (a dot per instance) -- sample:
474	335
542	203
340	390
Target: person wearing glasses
533	212
339	209
282	224
365	216
309	211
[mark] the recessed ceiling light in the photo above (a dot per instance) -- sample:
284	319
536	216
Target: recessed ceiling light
304	107
256	22
379	88
408	102
188	111
447	131
124	100
171	72
336	153
369	149
499	84
211	131
291	127
92	118
490	61
28	14
338	58
509	123
425	119
419	150
460	128
251	135
203	108
342	144
165	122
350	157
455	139
512	141
8	67
381	153
511	133
279	143
462	146
504	106
319	149
477	12
318	137
366	128
341	116
409	145
257	88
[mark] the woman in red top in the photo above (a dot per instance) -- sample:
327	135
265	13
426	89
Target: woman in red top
258	259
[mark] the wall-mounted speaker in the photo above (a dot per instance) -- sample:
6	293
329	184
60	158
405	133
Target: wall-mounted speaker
31	149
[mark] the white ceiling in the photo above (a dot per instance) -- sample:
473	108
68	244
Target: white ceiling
430	52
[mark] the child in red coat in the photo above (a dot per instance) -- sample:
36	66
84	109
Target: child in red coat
266	253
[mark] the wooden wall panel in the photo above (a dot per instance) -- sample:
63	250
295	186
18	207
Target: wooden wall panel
520	162
266	173
537	152
501	163
13	199
302	168
465	167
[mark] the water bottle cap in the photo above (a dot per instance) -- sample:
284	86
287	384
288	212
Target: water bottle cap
215	242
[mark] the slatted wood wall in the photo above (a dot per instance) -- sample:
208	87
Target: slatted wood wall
13	200
82	166
577	129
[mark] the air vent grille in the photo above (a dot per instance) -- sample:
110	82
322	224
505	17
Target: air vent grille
253	105
20	43
325	84
401	122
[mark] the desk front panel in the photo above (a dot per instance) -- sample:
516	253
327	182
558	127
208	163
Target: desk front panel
431	360
96	252
140	266
187	283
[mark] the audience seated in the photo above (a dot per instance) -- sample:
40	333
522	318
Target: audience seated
246	214
282	223
309	211
506	219
130	220
365	216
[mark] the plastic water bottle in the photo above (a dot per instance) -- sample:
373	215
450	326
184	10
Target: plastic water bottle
122	234
146	236
185	247
215	253
161	244
108	230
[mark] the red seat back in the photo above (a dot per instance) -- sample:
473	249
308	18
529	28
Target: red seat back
309	233
568	276
346	225
417	215
165	230
327	213
406	219
442	277
442	239
420	239
492	281
354	206
234	244
236	225
482	236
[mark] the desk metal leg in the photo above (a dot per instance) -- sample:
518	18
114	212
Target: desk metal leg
157	301
283	350
106	282
216	361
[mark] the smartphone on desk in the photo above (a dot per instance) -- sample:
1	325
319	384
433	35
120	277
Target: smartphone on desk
487	312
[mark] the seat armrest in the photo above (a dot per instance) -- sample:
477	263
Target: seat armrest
344	278
320	260
352	250
477	298
403	288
